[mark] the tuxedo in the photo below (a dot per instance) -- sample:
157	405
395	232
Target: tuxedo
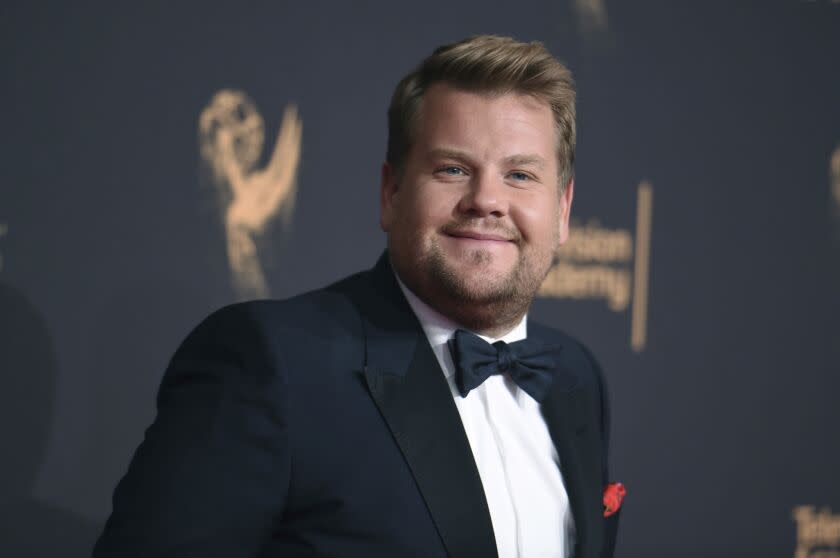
322	425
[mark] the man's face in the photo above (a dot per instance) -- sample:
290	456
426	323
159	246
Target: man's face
476	216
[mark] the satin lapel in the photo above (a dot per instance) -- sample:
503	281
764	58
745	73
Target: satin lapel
408	386
565	417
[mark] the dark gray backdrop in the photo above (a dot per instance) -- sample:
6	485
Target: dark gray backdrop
113	245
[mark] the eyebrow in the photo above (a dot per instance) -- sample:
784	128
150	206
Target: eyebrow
524	159
444	153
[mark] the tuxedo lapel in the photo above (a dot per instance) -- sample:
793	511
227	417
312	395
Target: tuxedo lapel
411	392
564	413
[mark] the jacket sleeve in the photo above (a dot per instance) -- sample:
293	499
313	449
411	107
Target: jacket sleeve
211	476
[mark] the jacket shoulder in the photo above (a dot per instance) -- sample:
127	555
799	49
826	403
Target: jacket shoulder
243	331
318	308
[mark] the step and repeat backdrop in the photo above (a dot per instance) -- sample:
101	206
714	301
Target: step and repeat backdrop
160	160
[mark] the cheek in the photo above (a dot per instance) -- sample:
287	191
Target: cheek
432	208
537	223
414	220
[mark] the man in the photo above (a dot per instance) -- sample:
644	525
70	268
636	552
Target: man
375	417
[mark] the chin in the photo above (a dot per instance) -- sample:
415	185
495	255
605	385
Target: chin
478	286
473	276
483	262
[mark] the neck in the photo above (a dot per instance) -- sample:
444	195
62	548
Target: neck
488	319
491	320
492	315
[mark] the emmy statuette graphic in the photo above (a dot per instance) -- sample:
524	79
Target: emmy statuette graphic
231	137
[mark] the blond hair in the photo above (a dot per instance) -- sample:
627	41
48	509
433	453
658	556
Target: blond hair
495	66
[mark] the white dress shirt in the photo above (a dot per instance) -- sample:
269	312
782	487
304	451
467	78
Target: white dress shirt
516	459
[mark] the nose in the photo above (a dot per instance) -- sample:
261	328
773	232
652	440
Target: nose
486	195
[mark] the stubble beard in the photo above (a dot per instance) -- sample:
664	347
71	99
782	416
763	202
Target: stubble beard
478	298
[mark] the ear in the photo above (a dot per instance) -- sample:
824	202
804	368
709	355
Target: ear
565	210
387	191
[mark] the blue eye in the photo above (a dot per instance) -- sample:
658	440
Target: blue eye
519	176
453	171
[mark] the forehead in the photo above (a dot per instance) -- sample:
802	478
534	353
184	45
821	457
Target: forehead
492	124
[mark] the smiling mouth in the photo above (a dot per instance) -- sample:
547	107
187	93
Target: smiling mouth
480	236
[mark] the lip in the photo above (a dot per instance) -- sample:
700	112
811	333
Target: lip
483	236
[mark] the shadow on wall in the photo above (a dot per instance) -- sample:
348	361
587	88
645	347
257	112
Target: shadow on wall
28	527
136	329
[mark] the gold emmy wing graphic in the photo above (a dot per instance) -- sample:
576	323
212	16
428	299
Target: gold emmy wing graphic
596	263
592	15
835	177
231	136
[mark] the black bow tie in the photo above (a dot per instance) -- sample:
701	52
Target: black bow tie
529	363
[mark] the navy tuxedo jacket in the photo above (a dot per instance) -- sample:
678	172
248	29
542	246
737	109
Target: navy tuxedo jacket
322	425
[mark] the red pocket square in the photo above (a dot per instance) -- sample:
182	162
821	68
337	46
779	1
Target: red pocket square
613	496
